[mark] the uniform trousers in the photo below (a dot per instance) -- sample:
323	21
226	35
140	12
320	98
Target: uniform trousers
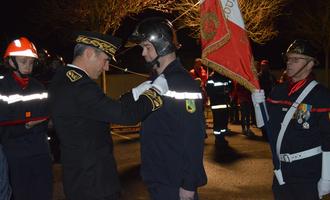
295	191
220	122
220	118
159	191
246	110
31	177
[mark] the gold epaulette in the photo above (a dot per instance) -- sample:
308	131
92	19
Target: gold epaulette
154	98
73	75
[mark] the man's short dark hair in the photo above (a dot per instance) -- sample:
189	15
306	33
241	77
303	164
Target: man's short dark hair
80	48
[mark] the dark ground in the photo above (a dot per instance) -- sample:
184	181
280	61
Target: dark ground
242	172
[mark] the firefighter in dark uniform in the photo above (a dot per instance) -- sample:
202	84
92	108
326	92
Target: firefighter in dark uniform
24	118
218	88
81	114
303	147
172	139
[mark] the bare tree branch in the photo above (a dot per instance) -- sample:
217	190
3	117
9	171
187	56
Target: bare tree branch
107	15
96	15
259	17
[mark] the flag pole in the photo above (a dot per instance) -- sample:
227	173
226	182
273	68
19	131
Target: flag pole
271	141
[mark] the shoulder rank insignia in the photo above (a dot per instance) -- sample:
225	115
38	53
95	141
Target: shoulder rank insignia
73	75
155	99
190	105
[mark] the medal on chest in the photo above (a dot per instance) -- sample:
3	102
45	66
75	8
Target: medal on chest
303	114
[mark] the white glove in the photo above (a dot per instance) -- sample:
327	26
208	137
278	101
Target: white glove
258	96
323	185
138	90
160	84
258	99
186	194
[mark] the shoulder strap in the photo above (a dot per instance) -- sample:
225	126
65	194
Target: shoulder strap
290	113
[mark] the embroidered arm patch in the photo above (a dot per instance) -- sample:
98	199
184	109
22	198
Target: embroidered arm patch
73	75
154	98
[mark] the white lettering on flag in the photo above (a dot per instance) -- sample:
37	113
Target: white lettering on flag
232	12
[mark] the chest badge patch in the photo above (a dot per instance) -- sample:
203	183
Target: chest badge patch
190	105
73	75
27	114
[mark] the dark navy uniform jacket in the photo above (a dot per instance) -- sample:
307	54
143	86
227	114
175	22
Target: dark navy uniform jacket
81	114
316	109
30	103
218	88
172	139
26	148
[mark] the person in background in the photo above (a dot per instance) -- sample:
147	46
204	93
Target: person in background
24	124
218	88
283	77
172	139
198	71
200	75
299	121
267	81
81	114
245	103
234	105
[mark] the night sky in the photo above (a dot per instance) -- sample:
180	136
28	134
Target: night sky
14	20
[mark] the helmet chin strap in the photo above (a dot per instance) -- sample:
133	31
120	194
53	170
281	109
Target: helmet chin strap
16	68
302	68
155	61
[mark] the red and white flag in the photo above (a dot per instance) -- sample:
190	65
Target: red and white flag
225	45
